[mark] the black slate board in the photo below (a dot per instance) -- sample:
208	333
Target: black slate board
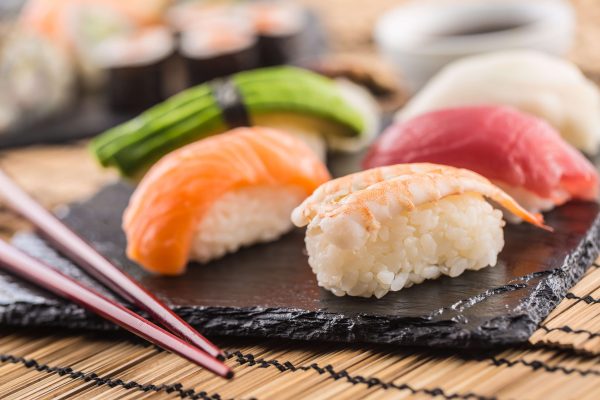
269	291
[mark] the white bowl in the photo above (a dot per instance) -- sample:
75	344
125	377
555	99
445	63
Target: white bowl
420	38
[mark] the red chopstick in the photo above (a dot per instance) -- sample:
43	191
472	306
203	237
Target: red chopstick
30	269
85	256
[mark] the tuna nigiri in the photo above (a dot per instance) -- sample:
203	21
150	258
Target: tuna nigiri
388	228
215	195
520	153
546	86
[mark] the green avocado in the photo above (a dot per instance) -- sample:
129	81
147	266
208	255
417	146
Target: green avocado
196	113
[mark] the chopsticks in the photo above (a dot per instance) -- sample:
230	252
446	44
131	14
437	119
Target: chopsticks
85	256
50	279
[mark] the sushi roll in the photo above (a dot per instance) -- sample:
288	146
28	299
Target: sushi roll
189	15
211	197
546	86
218	47
36	80
389	228
279	26
135	68
521	153
324	113
78	26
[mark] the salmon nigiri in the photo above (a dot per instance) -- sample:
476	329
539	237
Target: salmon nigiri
218	194
521	153
388	228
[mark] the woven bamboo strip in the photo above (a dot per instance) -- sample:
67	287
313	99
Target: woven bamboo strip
125	369
423	372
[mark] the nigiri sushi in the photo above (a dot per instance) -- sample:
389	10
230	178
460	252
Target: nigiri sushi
310	106
388	228
213	196
520	153
546	86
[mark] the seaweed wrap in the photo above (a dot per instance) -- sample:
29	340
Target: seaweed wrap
135	68
218	47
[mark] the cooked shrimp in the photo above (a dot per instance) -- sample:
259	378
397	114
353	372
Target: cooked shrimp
405	185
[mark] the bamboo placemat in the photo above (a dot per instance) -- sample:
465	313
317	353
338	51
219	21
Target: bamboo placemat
74	365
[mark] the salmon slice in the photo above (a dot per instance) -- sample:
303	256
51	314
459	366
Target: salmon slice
179	190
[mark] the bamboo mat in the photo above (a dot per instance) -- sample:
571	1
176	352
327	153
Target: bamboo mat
63	365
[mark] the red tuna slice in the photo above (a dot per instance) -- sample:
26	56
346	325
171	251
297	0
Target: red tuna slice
498	142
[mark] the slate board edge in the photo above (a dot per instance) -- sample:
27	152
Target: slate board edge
275	323
547	294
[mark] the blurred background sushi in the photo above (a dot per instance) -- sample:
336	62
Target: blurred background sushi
134	67
75	68
125	56
219	46
279	26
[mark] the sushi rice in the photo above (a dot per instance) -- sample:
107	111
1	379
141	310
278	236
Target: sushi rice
458	233
242	217
527	199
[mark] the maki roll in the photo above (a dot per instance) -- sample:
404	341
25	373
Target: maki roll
315	108
36	80
218	47
389	228
134	66
214	196
520	153
279	26
188	15
78	26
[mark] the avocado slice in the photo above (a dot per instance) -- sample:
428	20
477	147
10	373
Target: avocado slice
293	95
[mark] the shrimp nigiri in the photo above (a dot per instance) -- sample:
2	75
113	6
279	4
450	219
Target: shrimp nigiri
213	196
388	228
521	153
